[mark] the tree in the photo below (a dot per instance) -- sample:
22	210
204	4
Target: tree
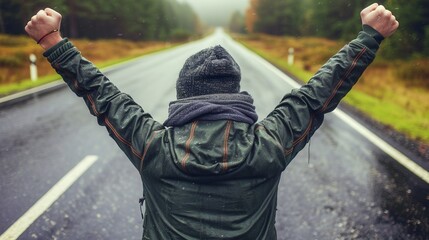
336	19
236	23
16	13
279	17
251	16
2	29
131	19
412	35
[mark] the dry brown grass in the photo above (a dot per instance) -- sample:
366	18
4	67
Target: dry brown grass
14	53
310	52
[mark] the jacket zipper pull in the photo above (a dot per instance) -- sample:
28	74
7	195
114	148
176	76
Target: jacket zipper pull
141	201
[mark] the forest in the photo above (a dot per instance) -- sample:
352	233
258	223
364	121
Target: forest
171	19
337	19
95	19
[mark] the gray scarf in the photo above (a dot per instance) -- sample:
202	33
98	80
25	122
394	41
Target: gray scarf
236	107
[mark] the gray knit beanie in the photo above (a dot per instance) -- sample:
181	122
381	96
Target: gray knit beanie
209	71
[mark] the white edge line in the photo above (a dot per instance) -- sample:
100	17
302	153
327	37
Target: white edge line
17	228
387	148
380	143
31	91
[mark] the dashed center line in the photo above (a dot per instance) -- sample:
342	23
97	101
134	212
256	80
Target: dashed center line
14	231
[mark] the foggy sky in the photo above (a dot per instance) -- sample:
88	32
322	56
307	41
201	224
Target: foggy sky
217	12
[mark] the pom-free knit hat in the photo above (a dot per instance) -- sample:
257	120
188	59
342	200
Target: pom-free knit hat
209	71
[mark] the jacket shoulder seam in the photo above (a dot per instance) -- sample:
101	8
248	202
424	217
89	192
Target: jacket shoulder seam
225	146
148	144
185	158
123	140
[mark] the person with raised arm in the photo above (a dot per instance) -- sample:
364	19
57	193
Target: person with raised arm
211	170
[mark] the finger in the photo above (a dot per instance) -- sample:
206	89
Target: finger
41	13
28	26
387	13
369	9
52	12
48	11
380	9
396	24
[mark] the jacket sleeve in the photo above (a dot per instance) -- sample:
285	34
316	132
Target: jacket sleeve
124	119
301	112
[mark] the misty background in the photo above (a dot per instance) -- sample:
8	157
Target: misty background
218	12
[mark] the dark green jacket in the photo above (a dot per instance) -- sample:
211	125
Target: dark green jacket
213	179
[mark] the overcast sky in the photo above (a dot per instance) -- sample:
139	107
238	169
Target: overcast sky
217	12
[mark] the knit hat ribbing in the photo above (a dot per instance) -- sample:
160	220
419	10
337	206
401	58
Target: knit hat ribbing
210	71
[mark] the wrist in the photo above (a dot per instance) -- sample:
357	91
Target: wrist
373	33
50	40
57	50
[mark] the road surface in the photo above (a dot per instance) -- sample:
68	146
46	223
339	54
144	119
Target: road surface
342	187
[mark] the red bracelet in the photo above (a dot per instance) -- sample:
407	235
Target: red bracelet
55	30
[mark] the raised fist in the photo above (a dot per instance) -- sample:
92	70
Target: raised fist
380	19
44	27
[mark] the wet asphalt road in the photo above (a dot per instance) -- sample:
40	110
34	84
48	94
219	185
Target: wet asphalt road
349	189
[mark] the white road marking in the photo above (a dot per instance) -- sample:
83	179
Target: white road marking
14	231
31	91
387	148
380	143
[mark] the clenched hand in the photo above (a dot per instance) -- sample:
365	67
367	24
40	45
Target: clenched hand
44	28
379	18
